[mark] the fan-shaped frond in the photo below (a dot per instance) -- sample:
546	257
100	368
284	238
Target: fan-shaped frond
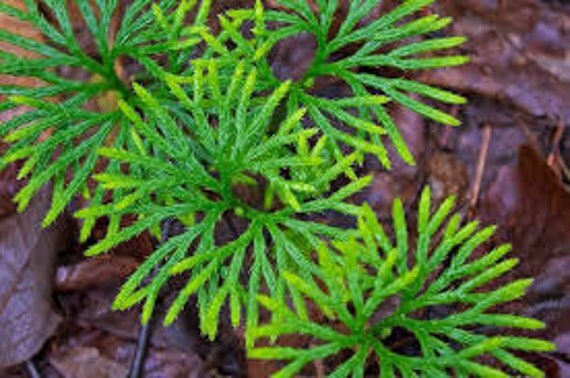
369	57
63	106
188	168
373	286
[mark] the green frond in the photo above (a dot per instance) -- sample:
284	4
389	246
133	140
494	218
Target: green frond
189	163
392	28
359	275
60	140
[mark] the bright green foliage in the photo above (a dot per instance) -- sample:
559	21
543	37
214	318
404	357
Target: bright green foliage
373	286
184	168
76	131
360	54
203	117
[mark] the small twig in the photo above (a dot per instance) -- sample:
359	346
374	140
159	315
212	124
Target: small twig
555	147
560	305
32	369
320	369
565	170
481	164
141	350
561	356
145	332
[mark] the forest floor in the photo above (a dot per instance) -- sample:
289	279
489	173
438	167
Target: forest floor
509	164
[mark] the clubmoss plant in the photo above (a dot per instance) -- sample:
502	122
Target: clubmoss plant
357	53
437	299
198	115
175	180
62	105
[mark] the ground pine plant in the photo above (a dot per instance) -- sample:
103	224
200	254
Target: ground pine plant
177	116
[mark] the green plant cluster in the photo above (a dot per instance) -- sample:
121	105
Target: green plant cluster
204	119
371	286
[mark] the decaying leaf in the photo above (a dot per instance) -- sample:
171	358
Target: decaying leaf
520	54
27	256
87	351
533	208
98	271
81	362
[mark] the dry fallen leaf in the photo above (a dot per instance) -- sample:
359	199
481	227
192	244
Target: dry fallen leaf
85	351
545	205
520	54
532	208
81	362
102	270
28	253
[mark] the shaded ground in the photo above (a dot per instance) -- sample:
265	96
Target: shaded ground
508	164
